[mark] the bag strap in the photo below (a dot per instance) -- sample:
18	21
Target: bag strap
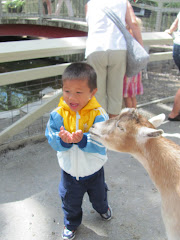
117	21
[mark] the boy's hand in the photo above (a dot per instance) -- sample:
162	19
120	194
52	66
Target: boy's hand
77	136
65	135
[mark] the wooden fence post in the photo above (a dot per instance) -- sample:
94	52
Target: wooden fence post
40	8
159	16
0	8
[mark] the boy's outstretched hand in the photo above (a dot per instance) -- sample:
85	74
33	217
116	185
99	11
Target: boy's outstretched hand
77	136
67	137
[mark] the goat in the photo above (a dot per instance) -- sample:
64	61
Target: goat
132	133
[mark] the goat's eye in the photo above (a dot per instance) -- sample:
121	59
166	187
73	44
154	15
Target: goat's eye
120	127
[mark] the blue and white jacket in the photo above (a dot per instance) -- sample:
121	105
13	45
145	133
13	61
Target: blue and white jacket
86	157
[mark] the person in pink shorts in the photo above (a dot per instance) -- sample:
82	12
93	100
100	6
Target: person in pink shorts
132	86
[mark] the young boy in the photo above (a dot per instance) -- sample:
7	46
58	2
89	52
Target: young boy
81	158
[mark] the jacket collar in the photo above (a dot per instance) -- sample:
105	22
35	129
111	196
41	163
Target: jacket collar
92	104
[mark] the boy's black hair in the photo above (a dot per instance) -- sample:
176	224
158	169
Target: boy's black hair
82	71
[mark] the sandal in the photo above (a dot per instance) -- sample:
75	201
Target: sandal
177	118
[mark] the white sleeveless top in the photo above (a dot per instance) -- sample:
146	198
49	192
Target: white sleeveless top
103	35
177	34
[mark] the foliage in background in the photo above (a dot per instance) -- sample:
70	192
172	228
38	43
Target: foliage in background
147	2
15	5
155	3
172	5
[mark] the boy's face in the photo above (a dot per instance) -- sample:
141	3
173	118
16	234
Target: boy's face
76	93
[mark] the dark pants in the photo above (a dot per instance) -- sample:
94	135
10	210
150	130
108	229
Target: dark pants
45	7
72	192
176	55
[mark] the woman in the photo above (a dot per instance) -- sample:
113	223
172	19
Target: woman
175	113
106	50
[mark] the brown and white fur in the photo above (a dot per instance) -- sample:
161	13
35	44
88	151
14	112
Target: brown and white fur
132	133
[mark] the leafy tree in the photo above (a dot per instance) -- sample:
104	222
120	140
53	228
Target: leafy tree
155	3
172	5
148	2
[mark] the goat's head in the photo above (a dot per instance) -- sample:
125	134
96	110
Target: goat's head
125	131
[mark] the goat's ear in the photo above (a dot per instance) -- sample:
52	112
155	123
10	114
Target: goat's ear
150	132
157	120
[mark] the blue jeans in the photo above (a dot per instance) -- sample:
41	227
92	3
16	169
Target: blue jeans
176	55
72	193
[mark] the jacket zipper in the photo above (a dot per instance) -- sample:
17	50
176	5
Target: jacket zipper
77	127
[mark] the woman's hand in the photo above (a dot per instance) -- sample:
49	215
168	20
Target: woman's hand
168	31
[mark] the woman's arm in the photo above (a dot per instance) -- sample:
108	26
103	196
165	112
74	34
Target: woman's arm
85	9
173	27
132	23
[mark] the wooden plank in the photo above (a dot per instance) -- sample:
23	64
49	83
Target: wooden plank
32	74
154	57
49	71
32	49
153	38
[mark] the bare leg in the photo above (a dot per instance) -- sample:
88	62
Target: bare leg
58	7
49	7
134	102
69	8
112	115
130	102
45	11
176	107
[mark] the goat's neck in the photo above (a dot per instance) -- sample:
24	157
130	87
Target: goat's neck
159	157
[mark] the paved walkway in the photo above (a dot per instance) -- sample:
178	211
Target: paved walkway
30	208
